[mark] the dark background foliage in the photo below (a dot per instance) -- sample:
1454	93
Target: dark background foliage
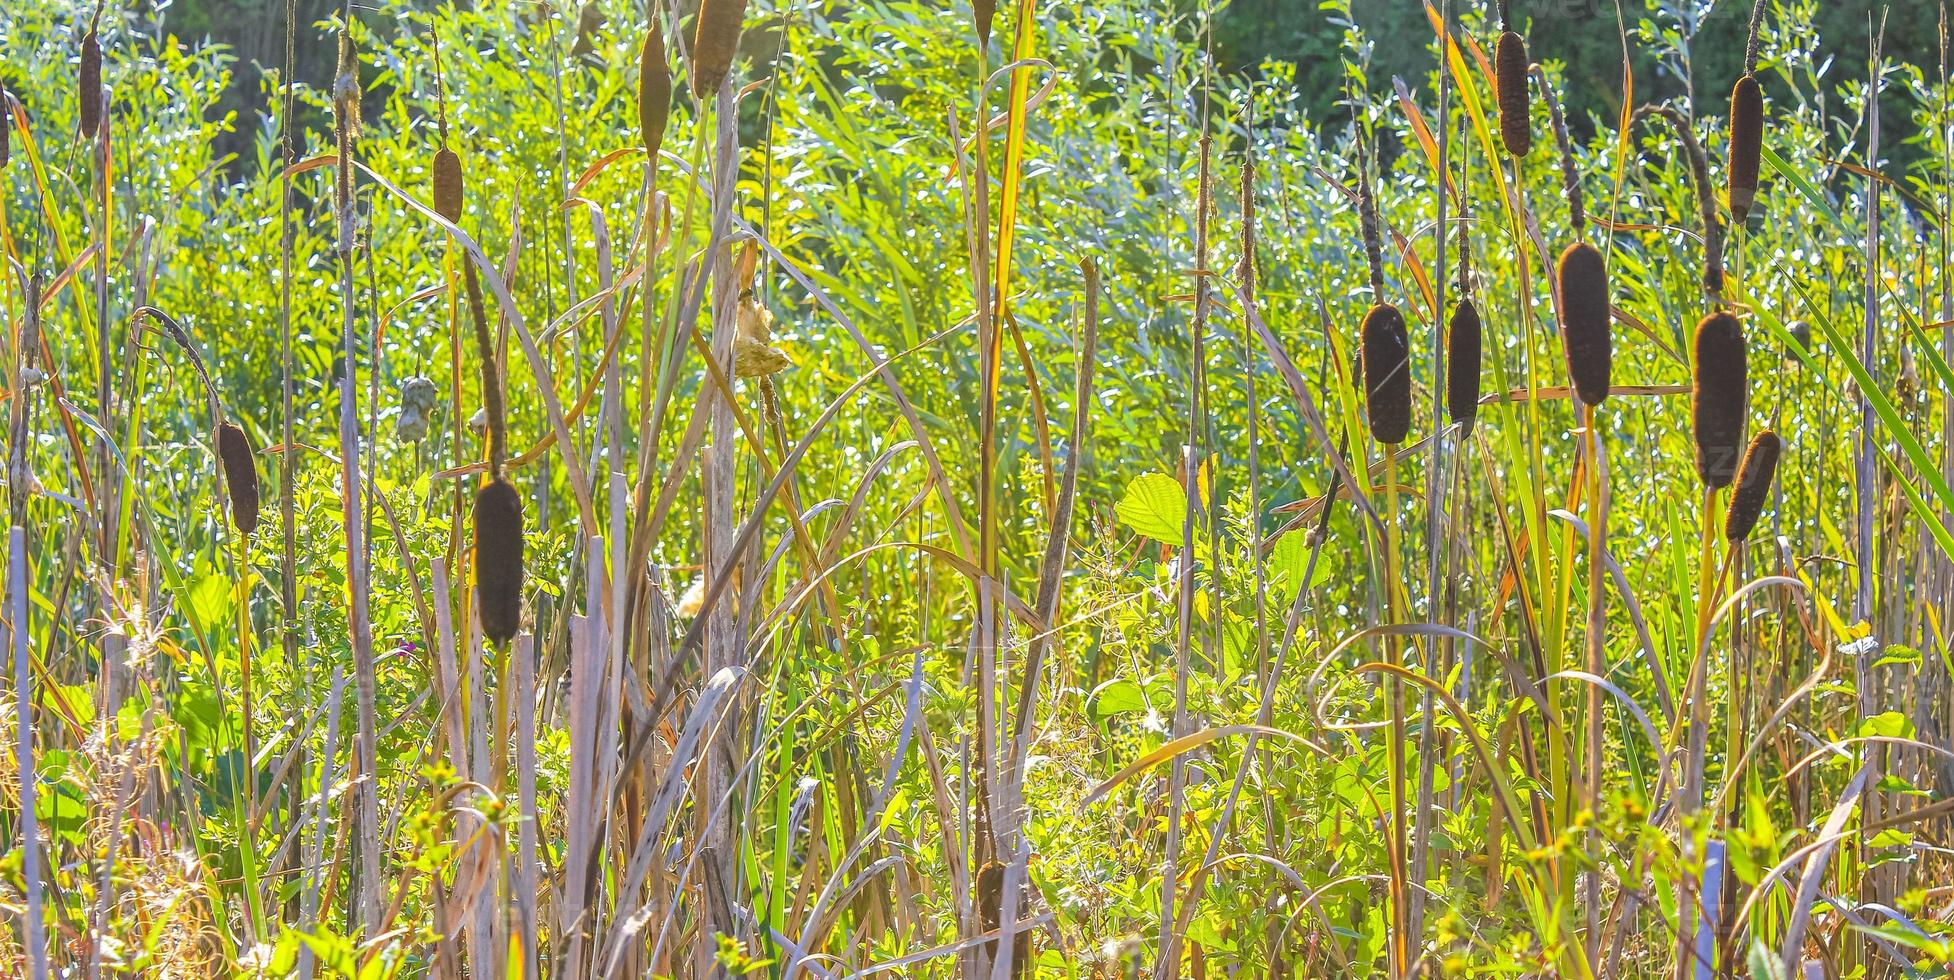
1581	34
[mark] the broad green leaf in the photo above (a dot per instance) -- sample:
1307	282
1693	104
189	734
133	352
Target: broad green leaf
1155	506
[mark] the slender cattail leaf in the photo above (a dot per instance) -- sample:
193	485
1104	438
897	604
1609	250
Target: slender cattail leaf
1462	367
1585	327
1719	396
714	43
1387	374
1753	486
1510	83
240	476
498	560
1746	144
654	92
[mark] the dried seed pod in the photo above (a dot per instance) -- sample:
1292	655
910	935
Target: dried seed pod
1585	326
498	560
447	185
1801	332
1746	144
6	124
654	92
90	86
240	476
590	21
986	11
1462	356
1753	485
714	43
1718	397
1387	374
990	902
1510	83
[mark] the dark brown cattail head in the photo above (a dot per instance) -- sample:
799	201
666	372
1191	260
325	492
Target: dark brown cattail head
986	11
240	476
590	22
990	909
90	88
1387	374
6	124
1462	356
1585	327
654	91
1719	396
1746	144
447	184
498	560
714	43
1753	486
1510	85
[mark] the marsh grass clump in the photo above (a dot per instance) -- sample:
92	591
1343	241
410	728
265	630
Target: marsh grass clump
1753	486
240	475
1585	327
1719	396
497	517
714	43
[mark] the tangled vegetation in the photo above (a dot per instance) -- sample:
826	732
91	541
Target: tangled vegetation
894	488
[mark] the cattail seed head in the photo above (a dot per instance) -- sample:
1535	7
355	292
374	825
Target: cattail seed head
1746	144
654	92
1387	374
6	125
1510	83
90	86
498	560
986	11
447	185
714	43
240	476
1753	485
1801	332
1585	327
990	909
1462	354
1718	397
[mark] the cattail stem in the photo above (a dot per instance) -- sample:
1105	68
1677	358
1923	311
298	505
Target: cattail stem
1706	201
1577	215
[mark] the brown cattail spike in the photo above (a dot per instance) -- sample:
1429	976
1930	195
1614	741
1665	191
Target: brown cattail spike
6	125
986	11
654	91
240	476
447	184
1718	397
1585	327
714	43
1462	356
1746	144
990	902
1753	486
90	87
1510	85
1387	374
498	560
